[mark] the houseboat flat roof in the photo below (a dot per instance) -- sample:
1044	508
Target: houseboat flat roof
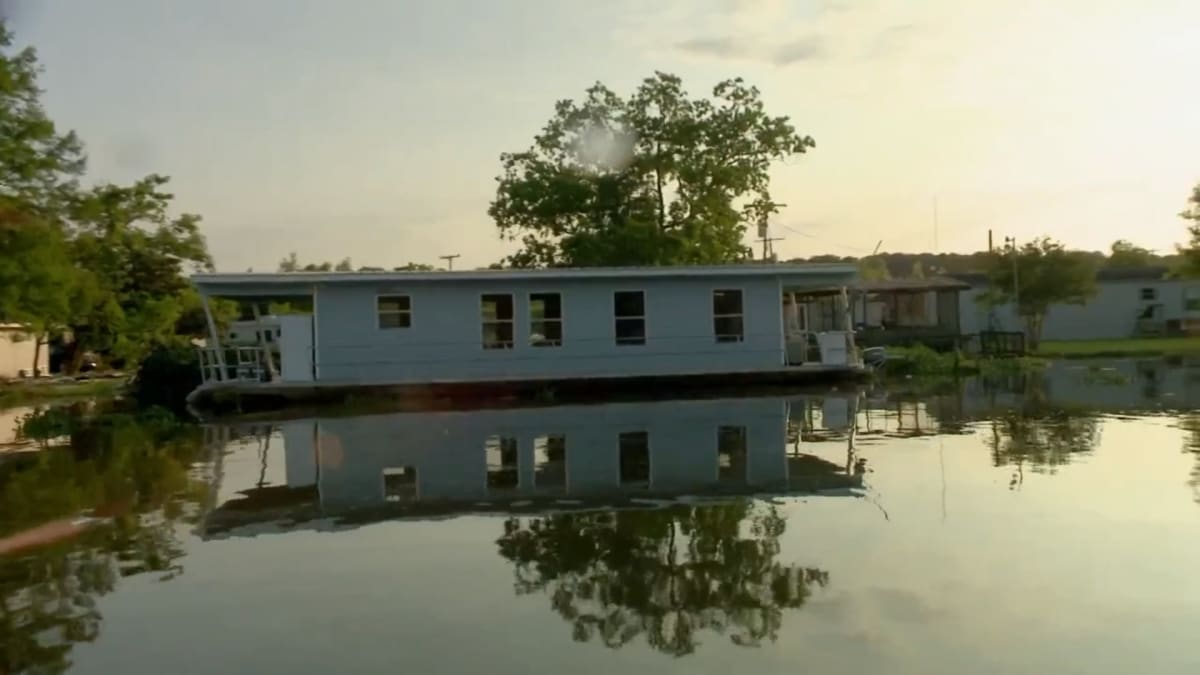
216	280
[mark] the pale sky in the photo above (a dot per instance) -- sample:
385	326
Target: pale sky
373	128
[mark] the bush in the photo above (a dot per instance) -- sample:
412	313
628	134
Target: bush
166	376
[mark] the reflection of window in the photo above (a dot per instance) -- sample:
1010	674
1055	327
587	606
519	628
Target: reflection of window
1149	294
629	314
731	453
501	453
399	483
394	311
497	316
634	450
727	315
545	319
550	461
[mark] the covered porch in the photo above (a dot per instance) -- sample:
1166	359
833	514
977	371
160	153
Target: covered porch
272	338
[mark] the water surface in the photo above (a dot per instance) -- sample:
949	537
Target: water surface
1039	524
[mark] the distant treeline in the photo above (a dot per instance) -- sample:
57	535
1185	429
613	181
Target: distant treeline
908	265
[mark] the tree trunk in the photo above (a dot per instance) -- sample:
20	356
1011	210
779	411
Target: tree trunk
658	184
37	355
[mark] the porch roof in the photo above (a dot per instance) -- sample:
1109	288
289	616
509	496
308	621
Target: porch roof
896	286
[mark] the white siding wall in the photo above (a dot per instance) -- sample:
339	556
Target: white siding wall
17	355
444	340
1111	314
447	449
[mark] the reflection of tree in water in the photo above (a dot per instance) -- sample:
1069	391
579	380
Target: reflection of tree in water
1191	424
665	574
129	473
1042	439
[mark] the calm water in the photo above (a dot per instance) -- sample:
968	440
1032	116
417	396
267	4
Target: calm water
1047	524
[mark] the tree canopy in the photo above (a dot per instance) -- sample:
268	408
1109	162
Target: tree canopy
106	262
655	178
1126	254
1037	275
1190	263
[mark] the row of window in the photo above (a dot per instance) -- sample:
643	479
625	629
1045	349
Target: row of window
550	462
497	317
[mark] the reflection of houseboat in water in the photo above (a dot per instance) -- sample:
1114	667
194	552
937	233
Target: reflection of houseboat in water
568	457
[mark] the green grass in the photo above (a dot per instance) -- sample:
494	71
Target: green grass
21	393
1081	349
921	361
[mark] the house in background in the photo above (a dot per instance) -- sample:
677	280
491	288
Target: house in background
1129	302
17	346
890	312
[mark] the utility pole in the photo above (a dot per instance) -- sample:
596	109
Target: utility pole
450	260
1012	243
768	251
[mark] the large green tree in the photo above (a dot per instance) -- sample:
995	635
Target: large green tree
135	255
38	164
656	178
1036	276
1190	265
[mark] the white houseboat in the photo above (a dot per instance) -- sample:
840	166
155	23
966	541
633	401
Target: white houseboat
441	332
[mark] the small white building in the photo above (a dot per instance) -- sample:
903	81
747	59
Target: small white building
490	326
1129	302
17	347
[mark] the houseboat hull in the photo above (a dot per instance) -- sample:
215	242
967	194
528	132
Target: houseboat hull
231	398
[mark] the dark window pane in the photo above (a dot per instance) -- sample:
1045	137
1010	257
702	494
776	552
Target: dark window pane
395	320
631	331
634	449
728	328
545	306
498	307
394	303
399	483
731	453
501	453
727	302
545	333
629	303
498	335
550	461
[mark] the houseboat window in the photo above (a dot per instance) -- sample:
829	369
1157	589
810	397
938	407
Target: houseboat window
501	453
731	453
629	315
394	311
399	483
634	448
727	315
550	461
1149	294
497	315
545	319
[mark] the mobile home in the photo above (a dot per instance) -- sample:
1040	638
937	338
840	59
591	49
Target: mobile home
400	329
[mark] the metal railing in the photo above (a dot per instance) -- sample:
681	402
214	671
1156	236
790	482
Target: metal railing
235	364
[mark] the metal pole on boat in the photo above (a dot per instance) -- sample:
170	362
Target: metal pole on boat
214	336
262	344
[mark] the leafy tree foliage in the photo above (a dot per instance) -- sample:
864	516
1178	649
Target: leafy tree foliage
1190	254
873	268
293	264
1126	254
38	165
1037	275
657	178
662	574
107	263
135	256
